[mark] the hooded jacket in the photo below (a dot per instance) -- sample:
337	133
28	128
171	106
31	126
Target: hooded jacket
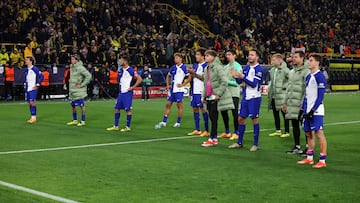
78	75
219	82
278	85
295	90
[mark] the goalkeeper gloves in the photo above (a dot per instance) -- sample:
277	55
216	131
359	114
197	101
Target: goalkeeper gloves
301	115
310	115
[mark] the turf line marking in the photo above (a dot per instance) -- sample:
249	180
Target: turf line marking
137	141
38	193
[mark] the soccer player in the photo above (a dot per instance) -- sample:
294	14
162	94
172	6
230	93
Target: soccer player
234	89
33	78
216	94
279	74
176	77
127	77
294	95
251	98
79	79
197	88
313	112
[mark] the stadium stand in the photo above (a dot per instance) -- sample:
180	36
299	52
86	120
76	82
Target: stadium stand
150	32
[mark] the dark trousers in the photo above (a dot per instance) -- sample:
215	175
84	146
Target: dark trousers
89	90
296	130
213	114
9	89
234	112
277	117
145	92
113	90
44	91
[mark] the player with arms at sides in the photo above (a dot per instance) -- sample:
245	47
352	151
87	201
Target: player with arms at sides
234	89
33	79
293	97
197	88
313	112
251	98
128	80
175	82
79	79
279	75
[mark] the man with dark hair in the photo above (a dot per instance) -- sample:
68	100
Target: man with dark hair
313	112
33	78
251	98
294	94
234	89
127	75
175	85
197	88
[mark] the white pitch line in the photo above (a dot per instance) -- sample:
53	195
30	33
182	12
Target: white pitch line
38	193
135	141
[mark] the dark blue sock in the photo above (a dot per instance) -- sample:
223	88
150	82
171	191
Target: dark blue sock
256	134
227	130
322	157
74	116
206	121
165	118
197	120
241	128
117	118
83	117
33	110
128	120
178	119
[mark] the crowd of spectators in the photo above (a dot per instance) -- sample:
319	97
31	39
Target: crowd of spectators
279	26
101	31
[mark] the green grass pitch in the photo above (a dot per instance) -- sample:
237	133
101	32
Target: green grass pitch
176	170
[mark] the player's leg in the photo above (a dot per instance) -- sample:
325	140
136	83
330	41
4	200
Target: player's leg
206	122
167	111
128	107
213	114
276	119
286	124
196	116
117	108
179	102
83	114
311	142
318	123
168	105
32	105
243	114
180	112
235	113
74	113
225	116
296	133
254	112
